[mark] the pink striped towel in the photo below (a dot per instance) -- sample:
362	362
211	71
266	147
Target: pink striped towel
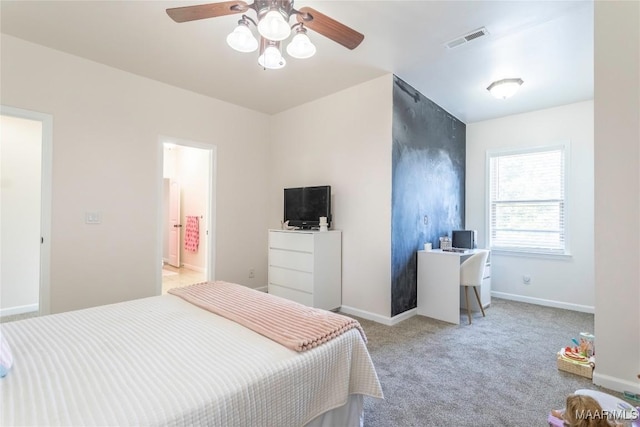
293	325
192	234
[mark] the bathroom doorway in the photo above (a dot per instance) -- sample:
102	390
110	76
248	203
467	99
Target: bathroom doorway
188	201
25	200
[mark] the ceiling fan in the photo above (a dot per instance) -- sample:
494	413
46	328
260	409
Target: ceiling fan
273	26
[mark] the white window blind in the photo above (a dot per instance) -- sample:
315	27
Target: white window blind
527	205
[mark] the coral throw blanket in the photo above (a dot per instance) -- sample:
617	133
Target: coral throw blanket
293	325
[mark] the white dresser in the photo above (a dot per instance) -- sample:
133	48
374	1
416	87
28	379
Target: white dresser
306	267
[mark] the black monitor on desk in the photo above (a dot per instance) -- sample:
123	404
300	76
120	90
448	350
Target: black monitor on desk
464	239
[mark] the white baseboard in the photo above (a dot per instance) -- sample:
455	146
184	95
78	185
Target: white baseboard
10	311
194	268
264	289
544	302
403	316
390	321
614	383
385	320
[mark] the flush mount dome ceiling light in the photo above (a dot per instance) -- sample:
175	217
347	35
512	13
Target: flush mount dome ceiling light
505	88
273	18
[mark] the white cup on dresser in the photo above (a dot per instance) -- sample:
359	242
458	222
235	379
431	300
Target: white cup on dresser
324	226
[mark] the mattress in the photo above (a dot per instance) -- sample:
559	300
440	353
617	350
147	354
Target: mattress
163	361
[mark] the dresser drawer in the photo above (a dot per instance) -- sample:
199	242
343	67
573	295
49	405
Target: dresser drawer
290	294
293	279
300	261
487	271
291	241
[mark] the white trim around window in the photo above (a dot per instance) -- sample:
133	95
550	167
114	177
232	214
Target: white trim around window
527	202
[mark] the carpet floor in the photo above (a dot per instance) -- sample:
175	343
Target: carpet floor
499	371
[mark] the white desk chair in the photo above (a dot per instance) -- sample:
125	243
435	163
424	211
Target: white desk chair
471	272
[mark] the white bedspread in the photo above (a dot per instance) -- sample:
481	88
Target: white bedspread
163	361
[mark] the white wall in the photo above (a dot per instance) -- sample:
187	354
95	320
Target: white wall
106	159
344	140
561	282
20	190
617	194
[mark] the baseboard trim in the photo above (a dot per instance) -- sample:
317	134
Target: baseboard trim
544	302
264	289
11	311
615	383
403	316
385	320
194	268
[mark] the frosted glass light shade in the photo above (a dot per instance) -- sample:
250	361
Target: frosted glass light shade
242	39
272	58
273	26
503	89
301	47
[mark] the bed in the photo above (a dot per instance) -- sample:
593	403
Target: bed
165	361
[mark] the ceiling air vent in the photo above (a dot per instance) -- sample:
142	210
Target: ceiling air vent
473	35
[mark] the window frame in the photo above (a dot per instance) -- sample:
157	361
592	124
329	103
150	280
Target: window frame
527	251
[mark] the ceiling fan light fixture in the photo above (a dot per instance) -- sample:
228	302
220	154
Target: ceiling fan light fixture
301	46
242	39
271	58
271	17
273	26
505	88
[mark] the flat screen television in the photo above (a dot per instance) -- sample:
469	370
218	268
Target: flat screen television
303	206
464	239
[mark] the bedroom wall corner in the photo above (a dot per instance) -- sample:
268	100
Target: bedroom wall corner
344	140
617	194
428	188
566	282
105	159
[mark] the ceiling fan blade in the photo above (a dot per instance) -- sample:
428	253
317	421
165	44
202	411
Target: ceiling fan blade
329	28
203	11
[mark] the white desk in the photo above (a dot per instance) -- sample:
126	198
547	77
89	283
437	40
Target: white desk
439	284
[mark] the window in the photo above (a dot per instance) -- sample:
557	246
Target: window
527	200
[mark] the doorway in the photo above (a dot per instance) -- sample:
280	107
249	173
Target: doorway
25	200
188	209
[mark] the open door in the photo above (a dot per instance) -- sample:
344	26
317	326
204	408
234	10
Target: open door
25	228
174	224
187	186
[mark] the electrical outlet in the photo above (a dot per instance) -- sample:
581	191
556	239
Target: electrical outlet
252	273
92	217
526	279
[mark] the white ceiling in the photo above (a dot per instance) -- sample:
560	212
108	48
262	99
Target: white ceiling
549	44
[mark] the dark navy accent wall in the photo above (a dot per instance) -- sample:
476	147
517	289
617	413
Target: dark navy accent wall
428	167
